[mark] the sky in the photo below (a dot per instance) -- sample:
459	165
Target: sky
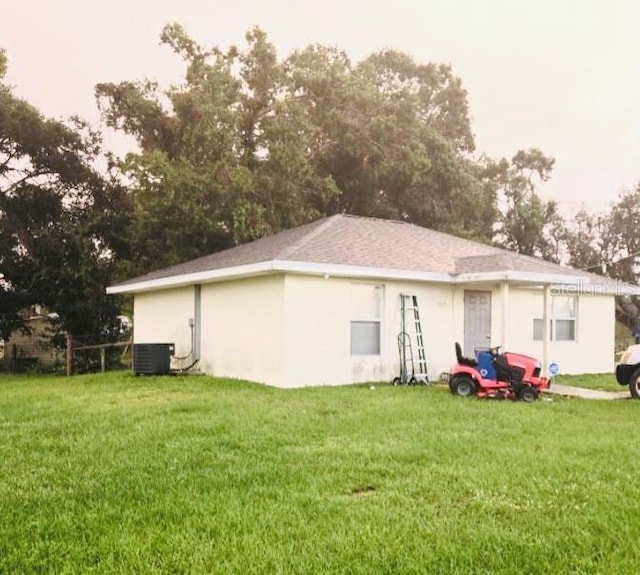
559	75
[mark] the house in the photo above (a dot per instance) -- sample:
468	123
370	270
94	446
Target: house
321	304
26	348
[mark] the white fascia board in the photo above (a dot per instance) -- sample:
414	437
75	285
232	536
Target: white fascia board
274	266
517	276
568	284
193	278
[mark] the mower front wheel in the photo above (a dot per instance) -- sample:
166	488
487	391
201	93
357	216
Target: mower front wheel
528	394
463	385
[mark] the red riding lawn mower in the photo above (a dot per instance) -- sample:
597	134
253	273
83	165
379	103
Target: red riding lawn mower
497	375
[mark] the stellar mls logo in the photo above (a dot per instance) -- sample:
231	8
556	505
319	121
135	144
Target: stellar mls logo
606	287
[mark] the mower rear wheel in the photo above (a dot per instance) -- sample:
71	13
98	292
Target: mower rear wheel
528	394
634	384
463	385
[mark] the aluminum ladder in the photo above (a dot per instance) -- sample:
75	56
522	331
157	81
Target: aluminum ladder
409	303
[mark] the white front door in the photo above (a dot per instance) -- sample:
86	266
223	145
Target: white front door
477	321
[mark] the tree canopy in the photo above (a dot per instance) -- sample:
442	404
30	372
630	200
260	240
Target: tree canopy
58	219
248	144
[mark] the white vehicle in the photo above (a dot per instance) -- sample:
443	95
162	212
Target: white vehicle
628	370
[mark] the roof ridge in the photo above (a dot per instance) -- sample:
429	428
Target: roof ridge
322	226
375	219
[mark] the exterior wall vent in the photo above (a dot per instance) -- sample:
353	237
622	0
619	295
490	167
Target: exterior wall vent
152	358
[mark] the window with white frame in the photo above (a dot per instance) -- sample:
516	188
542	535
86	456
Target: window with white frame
366	313
562	323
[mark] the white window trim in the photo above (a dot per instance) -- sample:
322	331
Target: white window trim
553	319
363	319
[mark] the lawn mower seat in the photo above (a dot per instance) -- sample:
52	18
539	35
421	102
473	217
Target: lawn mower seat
464	360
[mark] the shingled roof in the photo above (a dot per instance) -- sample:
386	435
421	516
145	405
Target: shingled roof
344	240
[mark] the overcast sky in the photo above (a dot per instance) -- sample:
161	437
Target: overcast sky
561	75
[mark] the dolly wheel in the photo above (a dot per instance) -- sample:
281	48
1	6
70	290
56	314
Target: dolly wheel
634	384
463	385
528	394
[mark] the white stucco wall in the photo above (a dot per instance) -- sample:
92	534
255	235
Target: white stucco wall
295	330
437	316
318	331
591	352
163	317
243	329
594	347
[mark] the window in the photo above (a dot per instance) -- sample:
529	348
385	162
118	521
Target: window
562	323
366	311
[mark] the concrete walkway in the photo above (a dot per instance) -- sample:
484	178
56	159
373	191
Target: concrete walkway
570	391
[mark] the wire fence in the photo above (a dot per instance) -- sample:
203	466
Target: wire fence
25	356
84	355
44	353
98	352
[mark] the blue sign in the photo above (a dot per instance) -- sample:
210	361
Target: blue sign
554	368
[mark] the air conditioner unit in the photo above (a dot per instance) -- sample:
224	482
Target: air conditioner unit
152	358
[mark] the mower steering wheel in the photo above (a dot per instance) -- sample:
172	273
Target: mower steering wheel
495	350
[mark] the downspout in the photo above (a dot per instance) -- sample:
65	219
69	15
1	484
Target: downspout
546	331
504	294
197	325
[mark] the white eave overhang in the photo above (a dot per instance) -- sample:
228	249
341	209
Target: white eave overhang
566	283
276	266
578	284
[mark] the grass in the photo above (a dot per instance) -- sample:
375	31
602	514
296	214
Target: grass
116	474
602	381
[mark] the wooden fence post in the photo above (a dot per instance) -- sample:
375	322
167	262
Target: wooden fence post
71	349
69	354
14	357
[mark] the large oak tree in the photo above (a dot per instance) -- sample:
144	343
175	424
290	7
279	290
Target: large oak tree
60	220
250	144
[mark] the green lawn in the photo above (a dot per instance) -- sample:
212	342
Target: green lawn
603	381
116	474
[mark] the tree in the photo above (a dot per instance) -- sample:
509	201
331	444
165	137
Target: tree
608	243
60	221
249	145
584	243
223	155
527	223
395	137
621	251
620	233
